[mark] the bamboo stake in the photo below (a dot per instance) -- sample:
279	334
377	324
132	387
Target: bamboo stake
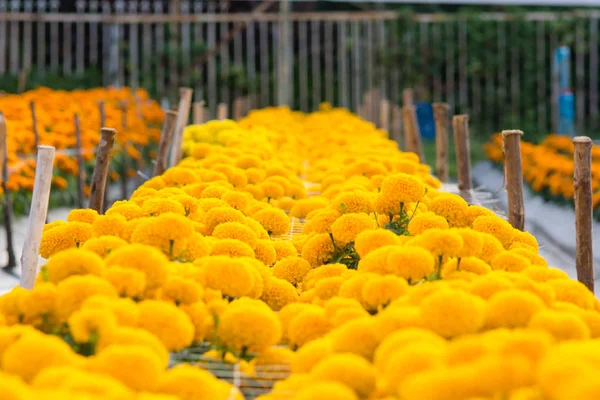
397	124
165	141
513	170
460	127
222	111
183	114
198	112
80	165
582	179
384	115
98	186
7	206
440	113
37	215
408	97
412	135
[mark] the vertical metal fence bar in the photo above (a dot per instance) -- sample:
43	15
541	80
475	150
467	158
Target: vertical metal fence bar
542	99
580	76
94	42
381	49
40	60
356	89
133	66
264	63
593	71
186	49
462	52
490	74
450	67
251	61
3	39
224	56
27	38
146	59
67	46
303	64
275	57
80	40
118	50
342	65
370	79
55	37
173	53
15	6
329	80
159	51
105	51
211	99
315	56
515	74
238	62
197	42
425	55
553	45
409	43
394	66
437	48
502	93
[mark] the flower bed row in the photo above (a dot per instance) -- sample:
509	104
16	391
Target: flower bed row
136	118
393	290
548	167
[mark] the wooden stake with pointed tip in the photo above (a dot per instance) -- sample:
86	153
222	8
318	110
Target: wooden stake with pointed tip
222	111
37	215
412	134
513	170
165	141
582	179
80	164
183	115
384	115
440	114
7	206
99	178
460	128
198	112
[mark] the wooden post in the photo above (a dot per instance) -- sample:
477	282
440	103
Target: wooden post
440	114
34	123
124	163
7	206
102	110
100	175
460	127
412	134
397	124
198	113
37	215
582	180
513	170
384	115
238	109
80	165
165	141
222	111
408	97
183	114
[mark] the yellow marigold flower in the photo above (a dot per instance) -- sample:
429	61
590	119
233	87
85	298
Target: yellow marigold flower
512	309
351	370
372	239
231	248
488	285
110	225
73	262
510	261
265	252
353	202
284	248
325	390
10	304
393	319
468	264
303	207
125	310
562	325
531	255
103	245
248	326
427	220
249	161
277	293
275	221
87	325
73	291
75	380
378	292
53	224
288	312
544	274
525	238
220	215
293	269
167	232
440	242
322	272
573	292
472	242
181	290
348	226
475	211
71	234
128	282
311	354
208	204
231	276
411	263
236	230
146	259
34	352
326	288
337	304
491	248
134	336
188	383
271	190
403	188
13	388
352	286
321	221
238	200
38	302
308	325
356	336
201	318
128	209
82	215
452	207
402	340
177	334
318	250
452	313
496	227
158	206
134	365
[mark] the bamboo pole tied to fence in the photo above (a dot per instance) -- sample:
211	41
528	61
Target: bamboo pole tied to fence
513	170
582	179
165	141
37	215
460	127
440	114
100	176
183	114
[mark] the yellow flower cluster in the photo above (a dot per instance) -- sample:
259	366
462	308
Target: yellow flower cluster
393	290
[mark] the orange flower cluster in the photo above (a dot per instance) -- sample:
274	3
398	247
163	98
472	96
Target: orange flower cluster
136	117
548	166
